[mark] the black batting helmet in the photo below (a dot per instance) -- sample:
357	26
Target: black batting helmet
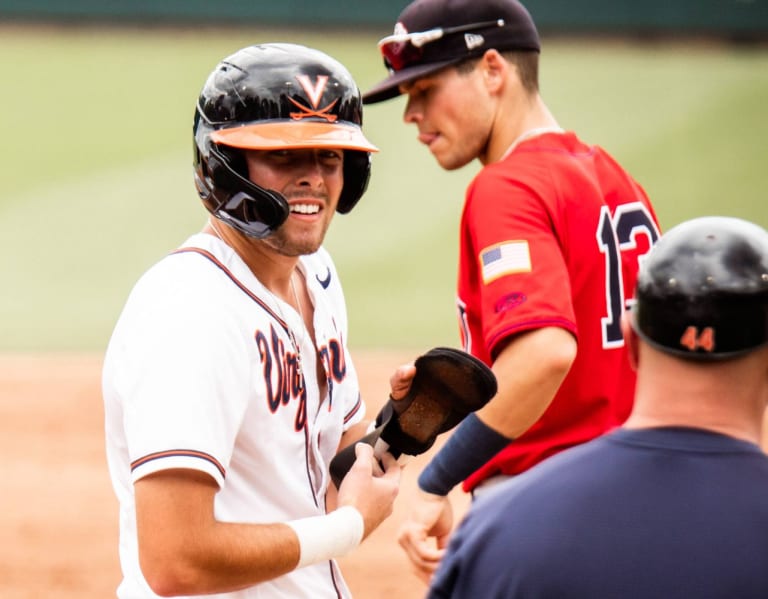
702	292
274	96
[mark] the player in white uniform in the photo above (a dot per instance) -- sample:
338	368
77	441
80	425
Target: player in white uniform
228	384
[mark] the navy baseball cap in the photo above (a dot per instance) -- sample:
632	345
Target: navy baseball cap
433	34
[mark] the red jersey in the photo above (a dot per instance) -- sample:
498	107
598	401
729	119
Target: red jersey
551	235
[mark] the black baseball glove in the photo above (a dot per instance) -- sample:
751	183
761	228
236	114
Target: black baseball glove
448	385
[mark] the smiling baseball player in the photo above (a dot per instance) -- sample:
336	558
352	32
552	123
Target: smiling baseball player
228	384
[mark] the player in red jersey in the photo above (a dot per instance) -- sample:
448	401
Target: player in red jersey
566	260
551	237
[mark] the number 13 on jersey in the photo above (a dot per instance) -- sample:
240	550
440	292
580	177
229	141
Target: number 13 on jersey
617	235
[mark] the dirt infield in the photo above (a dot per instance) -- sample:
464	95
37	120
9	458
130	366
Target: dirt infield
58	521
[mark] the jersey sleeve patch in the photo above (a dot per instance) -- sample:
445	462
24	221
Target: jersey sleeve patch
504	258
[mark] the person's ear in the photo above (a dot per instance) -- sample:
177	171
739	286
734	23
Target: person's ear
630	338
495	69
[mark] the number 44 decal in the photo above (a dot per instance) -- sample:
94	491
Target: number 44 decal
693	339
618	234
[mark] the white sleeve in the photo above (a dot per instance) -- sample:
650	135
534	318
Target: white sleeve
169	371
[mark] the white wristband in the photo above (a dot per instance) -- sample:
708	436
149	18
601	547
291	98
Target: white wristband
326	537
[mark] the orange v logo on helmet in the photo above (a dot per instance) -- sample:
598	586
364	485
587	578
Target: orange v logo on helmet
314	93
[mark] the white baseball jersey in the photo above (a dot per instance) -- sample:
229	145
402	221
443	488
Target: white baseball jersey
201	372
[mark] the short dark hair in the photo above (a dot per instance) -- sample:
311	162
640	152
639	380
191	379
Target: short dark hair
527	64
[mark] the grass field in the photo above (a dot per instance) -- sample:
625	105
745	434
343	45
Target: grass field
96	177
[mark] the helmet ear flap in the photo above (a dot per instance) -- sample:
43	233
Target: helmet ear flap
236	200
357	173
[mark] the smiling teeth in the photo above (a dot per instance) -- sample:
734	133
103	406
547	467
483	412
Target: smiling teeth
305	208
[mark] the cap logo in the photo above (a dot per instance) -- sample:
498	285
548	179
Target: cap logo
314	92
473	40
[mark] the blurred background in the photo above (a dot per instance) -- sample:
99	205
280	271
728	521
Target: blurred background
96	106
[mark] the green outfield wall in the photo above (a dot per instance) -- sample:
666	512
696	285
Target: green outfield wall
730	18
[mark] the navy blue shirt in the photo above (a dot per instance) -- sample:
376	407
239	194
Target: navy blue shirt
663	513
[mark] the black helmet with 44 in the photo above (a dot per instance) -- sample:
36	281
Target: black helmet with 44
702	292
267	97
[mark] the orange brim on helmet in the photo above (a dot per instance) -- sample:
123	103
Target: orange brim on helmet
294	135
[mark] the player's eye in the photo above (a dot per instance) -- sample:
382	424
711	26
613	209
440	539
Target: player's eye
330	156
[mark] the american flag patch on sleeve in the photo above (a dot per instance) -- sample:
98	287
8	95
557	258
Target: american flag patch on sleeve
505	258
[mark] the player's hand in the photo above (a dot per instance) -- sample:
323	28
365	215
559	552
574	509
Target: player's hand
400	381
370	486
431	518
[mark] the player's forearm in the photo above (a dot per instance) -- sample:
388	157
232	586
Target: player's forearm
227	557
529	371
217	557
185	550
471	445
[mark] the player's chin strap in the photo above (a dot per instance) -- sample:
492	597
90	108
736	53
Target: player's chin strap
238	201
448	385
